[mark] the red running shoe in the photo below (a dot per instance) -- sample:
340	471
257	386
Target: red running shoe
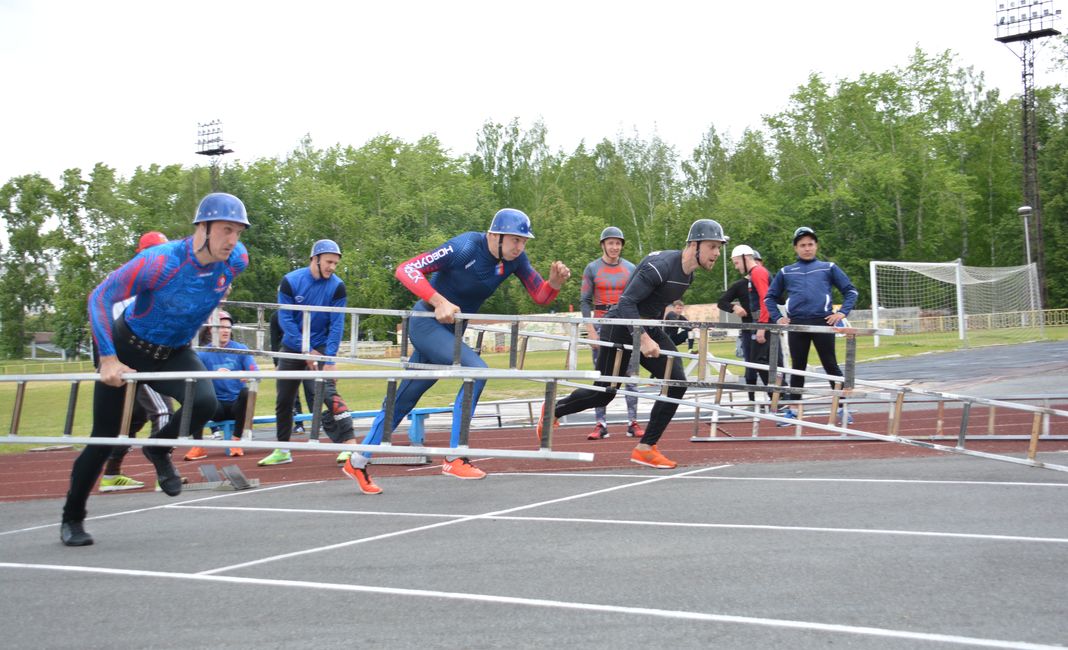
600	432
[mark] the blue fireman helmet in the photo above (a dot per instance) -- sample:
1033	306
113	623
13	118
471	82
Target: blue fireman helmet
511	222
325	246
220	206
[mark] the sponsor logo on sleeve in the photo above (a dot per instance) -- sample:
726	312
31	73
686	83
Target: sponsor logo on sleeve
411	269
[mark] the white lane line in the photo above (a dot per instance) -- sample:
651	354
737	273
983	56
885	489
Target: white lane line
637	522
162	506
326	511
810	626
425	468
408	531
791	529
797	479
882	480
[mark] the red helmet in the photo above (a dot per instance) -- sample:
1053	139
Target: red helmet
150	239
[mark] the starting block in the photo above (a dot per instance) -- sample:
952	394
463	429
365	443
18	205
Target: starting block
210	473
232	478
236	477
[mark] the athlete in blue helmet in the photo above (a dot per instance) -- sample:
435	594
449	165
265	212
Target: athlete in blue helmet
177	285
315	284
467	269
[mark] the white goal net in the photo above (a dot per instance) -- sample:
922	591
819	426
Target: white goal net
929	298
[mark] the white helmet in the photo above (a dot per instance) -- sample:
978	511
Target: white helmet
742	249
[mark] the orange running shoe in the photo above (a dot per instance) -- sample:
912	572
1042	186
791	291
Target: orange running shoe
196	453
237	451
541	422
462	468
652	458
362	478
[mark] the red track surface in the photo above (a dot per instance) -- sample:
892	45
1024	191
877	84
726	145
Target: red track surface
44	475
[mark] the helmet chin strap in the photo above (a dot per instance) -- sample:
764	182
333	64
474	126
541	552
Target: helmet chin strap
207	239
604	249
500	247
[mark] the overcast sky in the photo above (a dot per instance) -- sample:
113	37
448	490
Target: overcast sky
126	82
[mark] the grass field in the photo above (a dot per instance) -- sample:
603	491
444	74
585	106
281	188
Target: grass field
45	404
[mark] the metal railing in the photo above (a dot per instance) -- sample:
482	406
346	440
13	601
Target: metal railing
717	388
390	376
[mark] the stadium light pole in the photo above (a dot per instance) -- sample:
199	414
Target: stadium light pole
1024	22
1025	212
210	143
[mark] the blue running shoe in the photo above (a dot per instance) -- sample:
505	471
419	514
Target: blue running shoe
849	420
787	413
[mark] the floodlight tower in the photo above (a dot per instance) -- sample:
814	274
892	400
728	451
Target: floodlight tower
1024	22
210	143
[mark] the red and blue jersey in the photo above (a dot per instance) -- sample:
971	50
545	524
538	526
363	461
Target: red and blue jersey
466	274
602	285
174	292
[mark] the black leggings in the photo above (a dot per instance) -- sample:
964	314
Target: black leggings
235	410
336	421
760	353
107	416
149	406
799	344
660	417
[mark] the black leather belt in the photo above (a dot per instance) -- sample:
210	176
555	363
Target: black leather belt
152	350
603	307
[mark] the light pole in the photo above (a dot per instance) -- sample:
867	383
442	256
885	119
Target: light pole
1024	22
1025	212
210	143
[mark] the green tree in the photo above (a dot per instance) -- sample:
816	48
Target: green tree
26	206
706	170
1053	179
75	277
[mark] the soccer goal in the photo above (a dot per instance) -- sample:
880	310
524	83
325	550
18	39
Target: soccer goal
931	298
